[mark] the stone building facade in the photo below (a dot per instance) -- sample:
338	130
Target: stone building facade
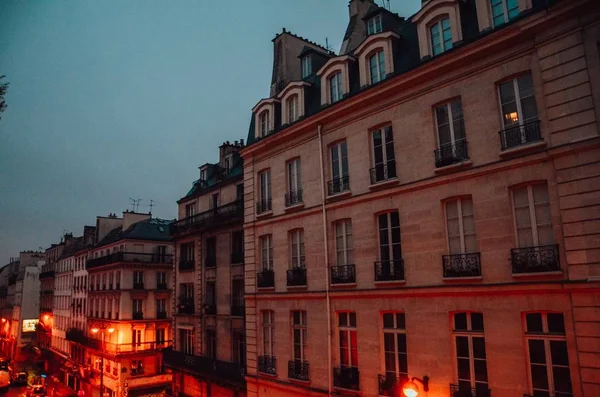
425	204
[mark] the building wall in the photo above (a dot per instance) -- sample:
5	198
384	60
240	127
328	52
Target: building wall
61	308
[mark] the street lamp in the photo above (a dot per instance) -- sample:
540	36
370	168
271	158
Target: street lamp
410	388
95	330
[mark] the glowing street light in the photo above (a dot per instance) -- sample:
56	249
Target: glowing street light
3	320
46	317
411	389
95	330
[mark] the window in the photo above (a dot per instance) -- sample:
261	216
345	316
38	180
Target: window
161	307
470	352
136	337
451	132
348	340
517	98
211	344
239	347
237	295
239	192
187	252
377	67
161	278
138	278
266	249
211	252
190	210
186	337
339	168
294	194
389	237
460	223
292	109
548	355
335	87
137	367
306	66
187	290
264	190
394	346
297	249
504	11
268	326
159	337
211	297
374	25
237	247
202	176
264	123
533	220
110	280
299	335
118	279
343	242
384	158
138	306
441	36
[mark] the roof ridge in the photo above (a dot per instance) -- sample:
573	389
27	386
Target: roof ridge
284	31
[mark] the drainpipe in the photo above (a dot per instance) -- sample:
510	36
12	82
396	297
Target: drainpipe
326	254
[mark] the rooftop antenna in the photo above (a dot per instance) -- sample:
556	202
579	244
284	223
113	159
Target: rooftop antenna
327	44
151	205
135	204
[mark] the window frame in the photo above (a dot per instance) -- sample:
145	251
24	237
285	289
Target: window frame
533	223
294	175
347	247
469	333
391	243
451	120
374	25
302	328
264	184
461	230
379	55
306	66
336	88
394	331
505	12
439	25
266	245
385	156
341	160
265	119
518	102
268	328
300	254
349	330
292	108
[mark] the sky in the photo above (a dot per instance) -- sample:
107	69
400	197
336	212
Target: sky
112	100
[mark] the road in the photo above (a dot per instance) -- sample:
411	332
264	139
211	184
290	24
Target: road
15	391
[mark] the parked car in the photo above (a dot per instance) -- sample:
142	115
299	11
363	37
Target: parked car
20	378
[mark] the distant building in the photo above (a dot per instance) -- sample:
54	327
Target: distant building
44	336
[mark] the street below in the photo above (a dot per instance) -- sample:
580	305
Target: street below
16	391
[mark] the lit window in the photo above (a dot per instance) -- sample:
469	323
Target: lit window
519	111
469	343
335	87
348	340
374	25
441	36
306	66
504	11
377	67
292	108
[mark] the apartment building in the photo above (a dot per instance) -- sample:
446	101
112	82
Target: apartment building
46	277
208	355
421	209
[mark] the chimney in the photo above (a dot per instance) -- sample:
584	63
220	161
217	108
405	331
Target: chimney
130	217
89	232
241	142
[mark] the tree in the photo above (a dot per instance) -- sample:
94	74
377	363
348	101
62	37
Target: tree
3	89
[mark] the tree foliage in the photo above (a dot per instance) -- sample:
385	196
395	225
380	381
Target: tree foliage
3	89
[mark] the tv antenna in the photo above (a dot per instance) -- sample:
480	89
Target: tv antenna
151	205
327	44
135	204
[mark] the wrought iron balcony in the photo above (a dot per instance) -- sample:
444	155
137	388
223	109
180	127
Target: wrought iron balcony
338	185
383	172
388	382
265	279
451	153
128	257
267	365
161	286
186	305
346	378
161	315
210	309
138	285
237	310
237	257
185	265
463	391
389	270
233	373
344	274
47	274
462	265
296	277
298	370
540	259
293	198
137	316
215	217
210	261
263	205
519	135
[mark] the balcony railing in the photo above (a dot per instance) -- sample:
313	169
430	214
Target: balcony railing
265	279
267	365
463	391
161	286
540	259
130	257
186	305
215	217
296	277
237	257
210	261
185	265
389	270
298	370
345	274
210	309
47	274
138	285
263	205
338	185
117	348
237	310
388	382
223	370
518	135
137	316
462	265
383	172
449	154
161	315
346	378
293	198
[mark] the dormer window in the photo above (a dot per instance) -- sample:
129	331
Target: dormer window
335	87
202	175
374	25
441	36
306	66
264	123
504	11
292	108
377	67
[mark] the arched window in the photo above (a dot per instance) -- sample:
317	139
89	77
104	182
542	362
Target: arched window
377	67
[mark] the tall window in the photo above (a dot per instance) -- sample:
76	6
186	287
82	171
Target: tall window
187	252
441	36
389	237
190	210
335	87
138	278
159	336
299	334
137	367
237	246
384	158
137	306
297	248
268	327
377	67
186	338
238	347
264	123
517	98
294	182
161	307
548	355
211	293
339	166
306	66
266	250
348	340
504	11
460	223
394	346
237	293
374	25
136	337
470	352
264	189
161	278
211	344
533	220
292	108
211	251
343	242
451	129
118	279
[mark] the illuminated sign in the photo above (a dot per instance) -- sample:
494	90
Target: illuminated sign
29	325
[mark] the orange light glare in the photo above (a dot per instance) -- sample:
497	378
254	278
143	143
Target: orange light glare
46	317
410	389
95	330
111	330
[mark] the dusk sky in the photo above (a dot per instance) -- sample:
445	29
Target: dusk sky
116	99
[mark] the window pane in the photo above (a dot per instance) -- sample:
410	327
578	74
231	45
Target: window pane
464	371
462	346
556	323
558	352
480	370
343	319
388	320
534	322
460	321
537	351
539	377
477	321
353	319
400	321
479	348
562	380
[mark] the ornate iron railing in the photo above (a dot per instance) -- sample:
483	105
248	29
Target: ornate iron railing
137	316
263	205
132	257
293	198
338	185
298	370
161	315
388	382
267	365
451	153
265	279
345	274
227	371
462	391
389	270
346	378
161	286
214	217
382	172
518	135
462	265
296	277
186	264
540	259
138	285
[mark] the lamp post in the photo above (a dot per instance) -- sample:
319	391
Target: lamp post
95	330
410	388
